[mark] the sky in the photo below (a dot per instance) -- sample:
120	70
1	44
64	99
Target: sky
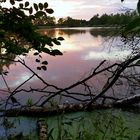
86	9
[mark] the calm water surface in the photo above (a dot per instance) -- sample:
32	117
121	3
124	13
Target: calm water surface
83	49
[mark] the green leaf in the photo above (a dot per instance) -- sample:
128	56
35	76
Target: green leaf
36	6
60	38
40	14
30	10
44	68
37	60
45	63
41	6
133	25
38	68
40	56
24	54
45	5
36	53
21	5
12	2
56	52
46	50
138	62
50	133
50	11
5	73
26	4
56	41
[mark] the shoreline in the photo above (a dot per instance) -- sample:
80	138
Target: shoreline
45	112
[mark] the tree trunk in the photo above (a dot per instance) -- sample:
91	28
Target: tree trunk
129	101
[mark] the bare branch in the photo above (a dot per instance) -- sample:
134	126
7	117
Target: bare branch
117	74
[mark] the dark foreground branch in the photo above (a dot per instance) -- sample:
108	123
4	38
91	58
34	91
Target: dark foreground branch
115	77
126	103
95	72
129	101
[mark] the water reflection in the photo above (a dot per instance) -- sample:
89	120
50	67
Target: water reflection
98	43
94	31
82	51
104	32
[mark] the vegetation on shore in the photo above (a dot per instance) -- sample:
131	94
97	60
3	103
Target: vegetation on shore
98	125
96	20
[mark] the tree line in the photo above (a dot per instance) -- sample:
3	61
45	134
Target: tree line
104	20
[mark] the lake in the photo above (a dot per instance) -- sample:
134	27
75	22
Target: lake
83	49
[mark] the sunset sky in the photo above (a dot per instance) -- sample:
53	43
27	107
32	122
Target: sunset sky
85	9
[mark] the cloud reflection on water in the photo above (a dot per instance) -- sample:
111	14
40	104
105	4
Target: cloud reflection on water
82	51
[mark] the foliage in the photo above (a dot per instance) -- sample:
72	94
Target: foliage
131	32
110	20
99	127
18	34
29	102
45	21
96	20
70	22
133	27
